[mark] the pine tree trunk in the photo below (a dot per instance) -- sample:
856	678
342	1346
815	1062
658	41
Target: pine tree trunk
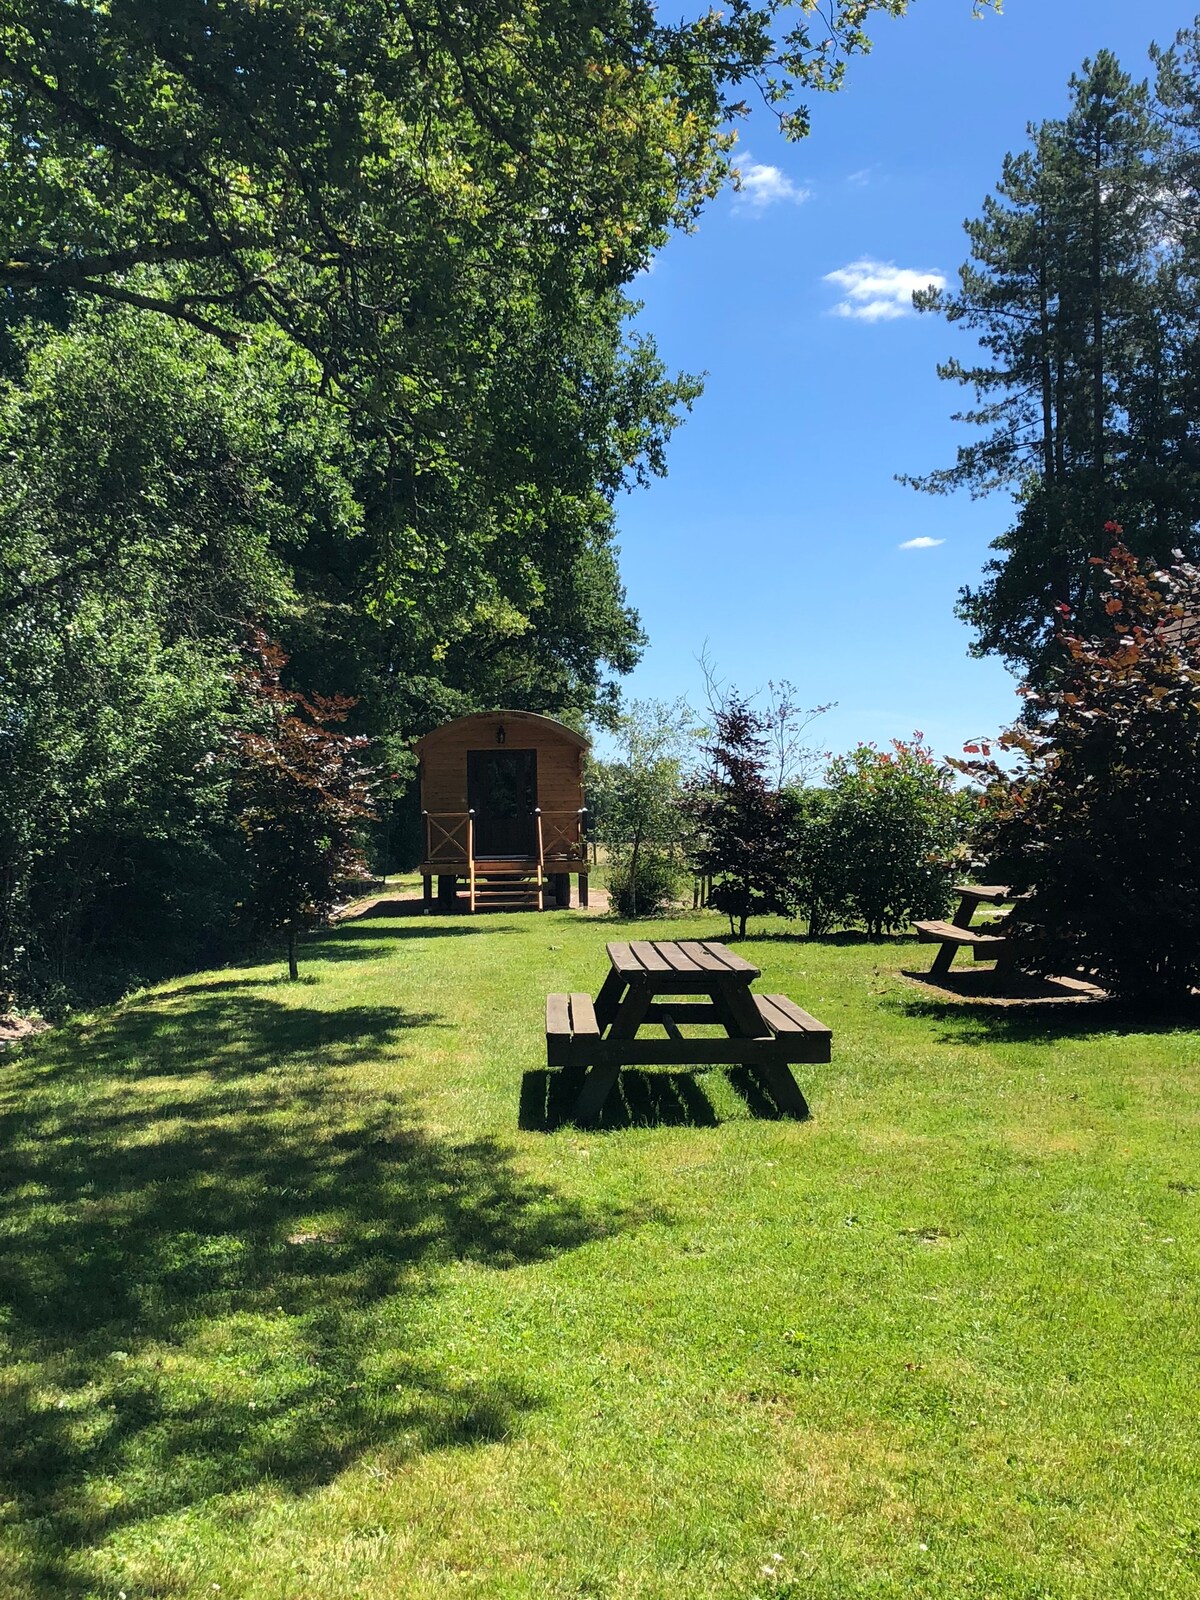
1047	375
1097	288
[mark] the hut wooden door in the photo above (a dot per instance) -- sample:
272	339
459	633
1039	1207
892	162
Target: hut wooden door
502	792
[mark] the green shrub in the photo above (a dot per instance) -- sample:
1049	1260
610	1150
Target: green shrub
646	885
897	826
819	874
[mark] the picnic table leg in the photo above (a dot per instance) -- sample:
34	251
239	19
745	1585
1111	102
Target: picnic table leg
736	1008
737	1011
609	998
1006	964
788	1097
596	1089
941	962
627	1017
631	1013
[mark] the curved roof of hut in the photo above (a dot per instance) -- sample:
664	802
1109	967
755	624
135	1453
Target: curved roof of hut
487	718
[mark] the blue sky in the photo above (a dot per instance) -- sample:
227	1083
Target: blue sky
775	537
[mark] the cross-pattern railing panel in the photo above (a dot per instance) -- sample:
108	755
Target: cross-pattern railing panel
447	837
562	836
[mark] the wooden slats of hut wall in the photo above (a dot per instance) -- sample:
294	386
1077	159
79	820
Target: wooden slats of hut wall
444	761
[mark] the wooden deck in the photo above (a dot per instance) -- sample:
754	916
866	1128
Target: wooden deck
535	882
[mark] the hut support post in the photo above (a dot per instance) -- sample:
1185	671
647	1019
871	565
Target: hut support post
471	858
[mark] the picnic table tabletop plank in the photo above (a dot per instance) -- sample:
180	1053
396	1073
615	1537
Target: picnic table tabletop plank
731	959
675	957
996	893
622	957
702	955
648	956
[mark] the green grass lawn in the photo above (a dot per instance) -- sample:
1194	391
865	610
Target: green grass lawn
293	1306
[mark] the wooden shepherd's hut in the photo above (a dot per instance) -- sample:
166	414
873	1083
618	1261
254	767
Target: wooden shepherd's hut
502	802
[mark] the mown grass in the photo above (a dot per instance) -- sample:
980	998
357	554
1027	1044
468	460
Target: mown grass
294	1306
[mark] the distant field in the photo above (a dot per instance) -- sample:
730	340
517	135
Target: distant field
294	1309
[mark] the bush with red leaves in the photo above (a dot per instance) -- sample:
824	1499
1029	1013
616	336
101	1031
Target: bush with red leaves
301	793
1101	821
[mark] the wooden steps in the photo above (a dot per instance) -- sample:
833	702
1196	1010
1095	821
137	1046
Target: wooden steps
506	886
504	883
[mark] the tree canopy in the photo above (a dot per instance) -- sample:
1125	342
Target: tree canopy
1096	817
314	316
1081	289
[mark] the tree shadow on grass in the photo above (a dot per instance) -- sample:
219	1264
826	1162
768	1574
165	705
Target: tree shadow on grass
797	935
393	906
1043	1021
355	944
213	1258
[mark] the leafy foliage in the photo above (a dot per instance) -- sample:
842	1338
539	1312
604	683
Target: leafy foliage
818	875
1082	291
894	826
739	835
315	313
1100	822
636	804
645	885
300	794
142	503
355	172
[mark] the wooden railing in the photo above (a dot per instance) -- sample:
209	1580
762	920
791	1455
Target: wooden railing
449	836
561	836
471	858
541	860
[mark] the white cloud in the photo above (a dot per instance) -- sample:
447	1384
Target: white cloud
878	291
923	543
762	186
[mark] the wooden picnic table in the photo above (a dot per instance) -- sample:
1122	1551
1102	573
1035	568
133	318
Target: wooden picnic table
958	934
674	984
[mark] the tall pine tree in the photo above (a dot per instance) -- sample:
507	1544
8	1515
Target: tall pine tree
1077	294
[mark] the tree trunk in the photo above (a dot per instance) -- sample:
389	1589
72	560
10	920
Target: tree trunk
1047	375
293	969
1097	288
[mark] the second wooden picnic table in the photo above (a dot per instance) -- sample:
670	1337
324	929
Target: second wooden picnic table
984	942
674	983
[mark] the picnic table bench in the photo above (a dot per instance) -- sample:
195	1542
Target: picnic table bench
674	984
958	934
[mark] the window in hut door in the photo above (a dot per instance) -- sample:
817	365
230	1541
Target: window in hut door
502	792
